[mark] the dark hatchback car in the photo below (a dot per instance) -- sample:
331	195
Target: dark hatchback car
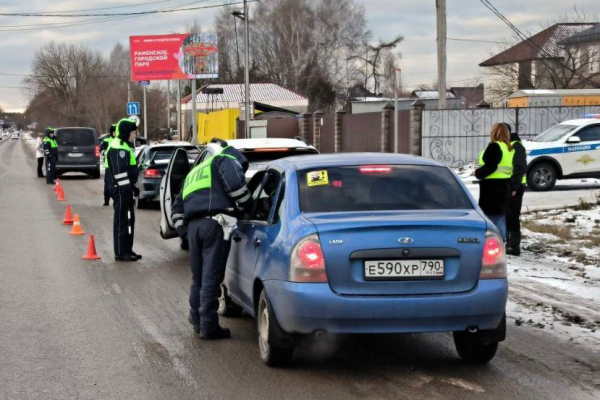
153	161
78	151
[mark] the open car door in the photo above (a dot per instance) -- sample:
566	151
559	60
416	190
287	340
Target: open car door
178	168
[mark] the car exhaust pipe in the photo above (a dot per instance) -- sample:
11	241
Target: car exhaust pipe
472	329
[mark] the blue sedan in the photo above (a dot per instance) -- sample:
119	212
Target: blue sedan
366	243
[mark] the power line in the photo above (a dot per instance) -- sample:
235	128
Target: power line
476	40
106	8
11	87
121	14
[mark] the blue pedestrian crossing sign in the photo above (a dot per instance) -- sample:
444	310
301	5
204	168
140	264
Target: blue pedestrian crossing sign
133	108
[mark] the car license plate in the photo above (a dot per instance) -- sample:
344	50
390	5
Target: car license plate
403	269
75	154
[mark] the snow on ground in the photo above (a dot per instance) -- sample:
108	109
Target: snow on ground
555	284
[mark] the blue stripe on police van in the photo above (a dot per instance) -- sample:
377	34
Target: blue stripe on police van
567	149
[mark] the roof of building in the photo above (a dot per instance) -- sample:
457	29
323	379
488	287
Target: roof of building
589	35
234	93
430	94
554	93
545	44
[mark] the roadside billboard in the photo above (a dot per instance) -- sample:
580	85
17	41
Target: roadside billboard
172	57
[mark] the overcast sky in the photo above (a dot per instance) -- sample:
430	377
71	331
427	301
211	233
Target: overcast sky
414	19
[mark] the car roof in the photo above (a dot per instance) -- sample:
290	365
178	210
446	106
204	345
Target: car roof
170	144
581	122
267	143
346	159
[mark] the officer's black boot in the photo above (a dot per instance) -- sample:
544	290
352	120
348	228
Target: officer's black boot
195	321
219	333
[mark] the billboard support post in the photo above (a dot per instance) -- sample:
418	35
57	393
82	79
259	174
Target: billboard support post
169	108
194	113
145	115
247	70
179	134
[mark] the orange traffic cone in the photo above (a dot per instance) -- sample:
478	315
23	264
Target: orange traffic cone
91	250
61	194
76	230
56	185
68	217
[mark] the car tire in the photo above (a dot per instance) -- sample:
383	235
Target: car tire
96	173
541	177
227	308
268	329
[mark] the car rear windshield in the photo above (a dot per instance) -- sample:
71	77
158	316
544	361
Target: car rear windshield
165	153
266	155
76	137
380	188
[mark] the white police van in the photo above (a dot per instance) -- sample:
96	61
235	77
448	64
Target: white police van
569	150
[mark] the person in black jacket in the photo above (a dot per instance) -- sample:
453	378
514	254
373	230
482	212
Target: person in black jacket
214	187
518	185
121	165
494	174
103	148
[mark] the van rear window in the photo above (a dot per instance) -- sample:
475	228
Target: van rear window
76	137
380	188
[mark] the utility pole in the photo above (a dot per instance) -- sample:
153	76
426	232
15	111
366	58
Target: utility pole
396	122
194	113
441	51
129	96
247	68
145	115
169	108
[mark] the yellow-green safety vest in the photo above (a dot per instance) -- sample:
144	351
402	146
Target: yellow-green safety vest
201	176
117	145
505	167
52	142
524	180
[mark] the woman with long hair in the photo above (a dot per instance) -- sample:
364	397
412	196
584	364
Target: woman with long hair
494	174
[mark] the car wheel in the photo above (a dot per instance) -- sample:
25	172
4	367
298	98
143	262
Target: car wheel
96	174
268	328
227	308
541	177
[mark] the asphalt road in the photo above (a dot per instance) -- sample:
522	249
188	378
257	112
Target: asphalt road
101	330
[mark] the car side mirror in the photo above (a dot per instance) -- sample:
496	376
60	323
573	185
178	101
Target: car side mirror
574	139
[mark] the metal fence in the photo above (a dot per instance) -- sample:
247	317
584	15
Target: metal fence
456	137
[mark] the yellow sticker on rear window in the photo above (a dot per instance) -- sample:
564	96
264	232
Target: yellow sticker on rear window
317	178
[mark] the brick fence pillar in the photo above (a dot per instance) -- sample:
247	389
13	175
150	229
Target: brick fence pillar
317	124
303	122
339	117
386	119
416	127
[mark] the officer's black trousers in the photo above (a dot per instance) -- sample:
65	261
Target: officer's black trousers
106	188
50	170
208	258
123	224
513	219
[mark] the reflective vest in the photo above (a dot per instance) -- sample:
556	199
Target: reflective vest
200	177
52	142
117	144
505	167
524	180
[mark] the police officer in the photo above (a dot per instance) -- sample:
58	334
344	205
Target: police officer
103	148
121	166
211	188
518	185
51	154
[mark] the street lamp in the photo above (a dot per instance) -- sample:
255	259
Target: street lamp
244	17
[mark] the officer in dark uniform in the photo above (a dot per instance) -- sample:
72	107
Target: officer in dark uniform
51	154
121	166
103	148
518	185
214	187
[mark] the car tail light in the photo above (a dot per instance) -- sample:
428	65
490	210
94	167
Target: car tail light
375	169
97	151
307	262
493	264
152	173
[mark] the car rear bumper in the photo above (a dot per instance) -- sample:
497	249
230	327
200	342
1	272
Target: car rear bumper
149	190
76	167
305	308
